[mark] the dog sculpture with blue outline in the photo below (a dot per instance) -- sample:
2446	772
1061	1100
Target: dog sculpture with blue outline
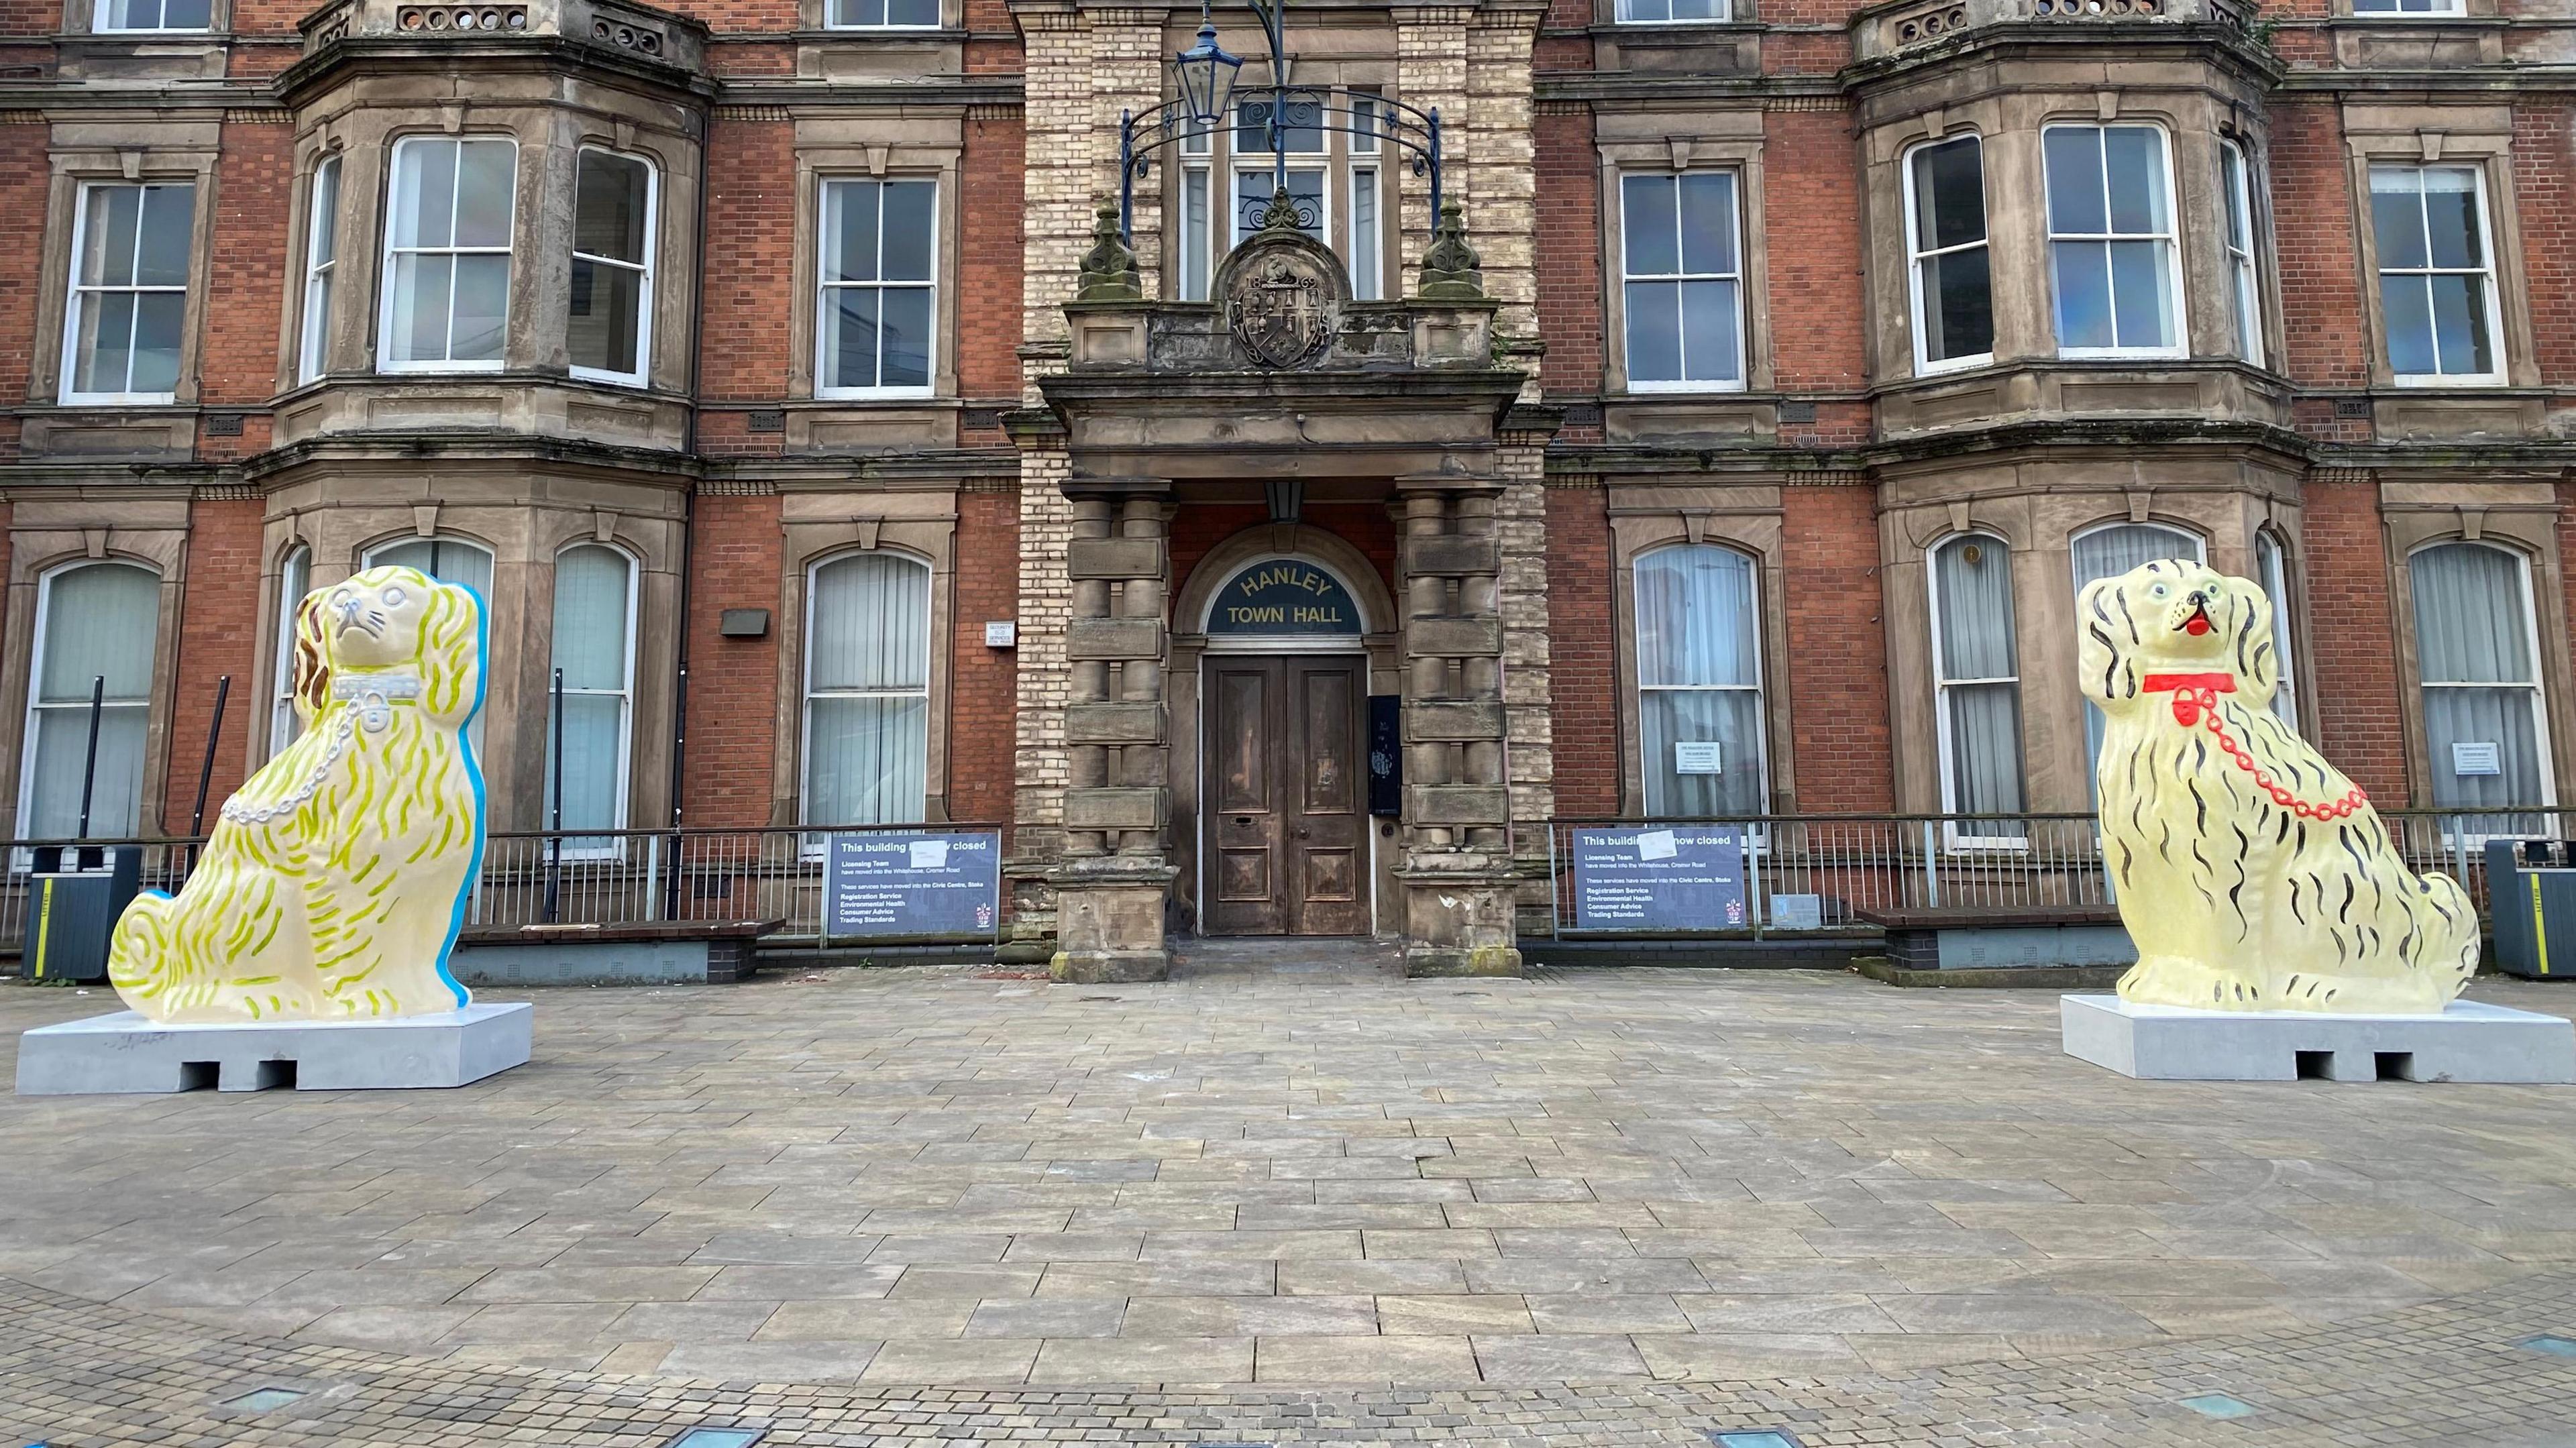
336	881
2253	876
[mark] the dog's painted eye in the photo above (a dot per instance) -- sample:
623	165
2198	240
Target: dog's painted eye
393	596
2158	591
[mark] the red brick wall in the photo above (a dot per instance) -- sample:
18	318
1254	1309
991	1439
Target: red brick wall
751	251
2351	641
1198	527
988	281
2541	165
2324	326
1811	210
733	683
983	684
1837	665
219	626
1569	250
248	268
23	177
1583	675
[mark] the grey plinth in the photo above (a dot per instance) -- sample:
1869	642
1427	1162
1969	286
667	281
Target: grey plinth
125	1052
2468	1041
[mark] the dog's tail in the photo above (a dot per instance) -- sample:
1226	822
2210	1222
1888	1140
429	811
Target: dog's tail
139	957
2446	933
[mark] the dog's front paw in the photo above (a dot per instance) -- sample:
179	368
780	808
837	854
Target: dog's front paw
2173	980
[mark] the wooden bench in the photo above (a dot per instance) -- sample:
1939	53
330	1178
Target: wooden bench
652	952
1974	937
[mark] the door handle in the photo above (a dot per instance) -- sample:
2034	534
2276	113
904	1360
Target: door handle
1301	834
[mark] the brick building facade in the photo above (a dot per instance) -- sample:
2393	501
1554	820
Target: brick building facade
1809	357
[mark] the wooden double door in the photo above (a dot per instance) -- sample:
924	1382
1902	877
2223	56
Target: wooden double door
1284	805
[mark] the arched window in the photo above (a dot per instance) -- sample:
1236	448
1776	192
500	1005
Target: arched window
594	646
449	560
94	622
867	690
1977	678
1699	682
2477	657
294	580
2272	563
2108	552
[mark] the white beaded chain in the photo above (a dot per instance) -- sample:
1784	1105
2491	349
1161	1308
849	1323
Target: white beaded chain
367	697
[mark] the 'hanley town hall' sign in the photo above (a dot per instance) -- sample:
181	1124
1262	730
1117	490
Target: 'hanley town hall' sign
1276	596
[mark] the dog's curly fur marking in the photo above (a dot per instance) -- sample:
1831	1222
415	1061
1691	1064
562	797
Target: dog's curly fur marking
334	881
2251	873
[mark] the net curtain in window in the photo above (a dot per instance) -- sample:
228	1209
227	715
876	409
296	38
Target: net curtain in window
1972	595
2481	684
867	706
98	620
2108	553
594	646
1699	679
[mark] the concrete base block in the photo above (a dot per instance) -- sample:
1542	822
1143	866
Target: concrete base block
2468	1041
1105	967
126	1053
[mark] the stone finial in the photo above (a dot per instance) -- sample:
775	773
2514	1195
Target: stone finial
1451	270
1281	213
1109	268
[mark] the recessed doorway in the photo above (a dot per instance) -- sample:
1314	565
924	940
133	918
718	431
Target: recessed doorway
1284	799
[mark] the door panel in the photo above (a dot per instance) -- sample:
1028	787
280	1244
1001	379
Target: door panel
1286	828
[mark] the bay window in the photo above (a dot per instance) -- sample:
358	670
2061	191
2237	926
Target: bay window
1682	279
2436	282
447	254
867	690
1699	682
1977	685
128	310
294	580
1954	307
321	271
449	560
611	314
2271	562
594	647
2108	552
2244	289
2112	265
97	626
879	288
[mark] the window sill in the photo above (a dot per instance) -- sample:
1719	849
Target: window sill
1952	366
632	381
1663	390
2422	381
441	369
120	399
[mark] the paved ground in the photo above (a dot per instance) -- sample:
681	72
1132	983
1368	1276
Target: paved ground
1596	1206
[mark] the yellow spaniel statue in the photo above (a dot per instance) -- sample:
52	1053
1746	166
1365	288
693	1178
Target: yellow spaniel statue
337	878
2252	875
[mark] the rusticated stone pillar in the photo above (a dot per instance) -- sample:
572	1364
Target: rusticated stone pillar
1115	884
1457	868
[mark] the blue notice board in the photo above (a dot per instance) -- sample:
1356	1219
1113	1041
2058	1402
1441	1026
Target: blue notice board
912	883
1659	877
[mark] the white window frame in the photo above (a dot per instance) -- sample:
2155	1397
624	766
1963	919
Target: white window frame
831	24
1197	270
823	288
1362	154
1916	255
2272	561
625	697
283	723
1756	833
814	843
2438	10
321	275
643	270
1743	310
1951	835
98	22
1260	167
2538	688
2177	306
77	293
35	690
1725	14
2244	271
385	276
2486	270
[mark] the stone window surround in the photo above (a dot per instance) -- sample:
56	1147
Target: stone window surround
550	139
116	162
80	17
2008	126
2487	149
521	609
1738	13
921	526
2039	527
815	16
62	536
1724	140
2523	520
1748	520
828	150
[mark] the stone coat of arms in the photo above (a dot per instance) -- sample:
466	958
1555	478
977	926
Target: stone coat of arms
1278	308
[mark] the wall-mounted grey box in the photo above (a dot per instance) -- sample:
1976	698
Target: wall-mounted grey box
744	623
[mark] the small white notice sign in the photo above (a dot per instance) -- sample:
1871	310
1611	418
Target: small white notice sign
1695	756
929	854
2476	759
1001	634
1657	845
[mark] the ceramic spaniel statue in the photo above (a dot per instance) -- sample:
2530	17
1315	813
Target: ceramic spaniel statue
337	877
2252	875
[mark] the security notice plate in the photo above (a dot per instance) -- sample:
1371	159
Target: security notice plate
2476	759
1697	756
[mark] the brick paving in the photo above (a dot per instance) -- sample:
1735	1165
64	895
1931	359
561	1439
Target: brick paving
1292	1200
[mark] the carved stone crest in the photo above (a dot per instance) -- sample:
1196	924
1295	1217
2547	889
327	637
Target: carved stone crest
1278	308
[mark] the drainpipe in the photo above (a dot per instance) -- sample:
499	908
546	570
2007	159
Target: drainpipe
688	533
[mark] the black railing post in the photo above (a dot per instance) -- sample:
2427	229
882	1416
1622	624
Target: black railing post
554	837
89	761
206	769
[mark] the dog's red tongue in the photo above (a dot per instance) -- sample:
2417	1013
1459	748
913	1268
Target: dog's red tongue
2197	625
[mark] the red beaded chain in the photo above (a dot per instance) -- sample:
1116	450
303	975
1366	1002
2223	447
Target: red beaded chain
2195	701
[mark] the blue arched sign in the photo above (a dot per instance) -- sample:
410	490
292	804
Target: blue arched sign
1283	596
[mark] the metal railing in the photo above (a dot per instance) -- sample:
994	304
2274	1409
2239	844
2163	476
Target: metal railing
1810	872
